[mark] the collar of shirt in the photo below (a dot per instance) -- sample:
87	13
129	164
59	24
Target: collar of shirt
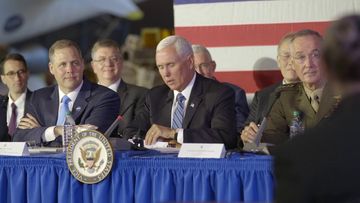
186	92
310	92
115	85
20	107
72	95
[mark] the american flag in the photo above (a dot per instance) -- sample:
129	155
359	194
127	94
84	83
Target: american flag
242	36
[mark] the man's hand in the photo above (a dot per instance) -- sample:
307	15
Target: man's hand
249	132
28	122
59	130
156	132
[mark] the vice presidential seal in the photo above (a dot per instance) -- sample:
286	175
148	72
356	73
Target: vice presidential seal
89	156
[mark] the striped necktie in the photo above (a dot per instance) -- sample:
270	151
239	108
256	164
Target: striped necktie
178	115
64	109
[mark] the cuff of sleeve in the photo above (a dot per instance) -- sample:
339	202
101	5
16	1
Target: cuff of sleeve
49	134
180	135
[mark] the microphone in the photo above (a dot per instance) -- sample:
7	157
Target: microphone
113	126
121	143
273	99
256	146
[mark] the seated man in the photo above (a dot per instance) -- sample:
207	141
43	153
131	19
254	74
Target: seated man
188	108
14	74
107	64
205	66
263	98
88	103
312	97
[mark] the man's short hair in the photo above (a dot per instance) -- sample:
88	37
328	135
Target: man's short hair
286	38
182	46
15	57
197	48
341	49
306	32
109	43
60	44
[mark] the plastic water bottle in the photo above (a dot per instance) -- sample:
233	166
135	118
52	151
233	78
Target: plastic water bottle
69	131
296	125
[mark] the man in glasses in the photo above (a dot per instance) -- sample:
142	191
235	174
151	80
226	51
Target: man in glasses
312	97
107	64
14	74
264	97
205	66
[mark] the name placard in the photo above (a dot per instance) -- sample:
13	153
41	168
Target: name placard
14	149
202	150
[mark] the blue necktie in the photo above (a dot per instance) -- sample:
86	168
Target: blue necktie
178	115
64	109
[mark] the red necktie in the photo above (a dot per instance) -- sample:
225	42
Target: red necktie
12	123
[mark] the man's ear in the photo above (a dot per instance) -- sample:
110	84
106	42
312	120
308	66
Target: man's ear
51	68
214	65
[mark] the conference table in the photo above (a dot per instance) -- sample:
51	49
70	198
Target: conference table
140	176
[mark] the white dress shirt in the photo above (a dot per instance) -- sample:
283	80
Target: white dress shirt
49	134
186	93
20	108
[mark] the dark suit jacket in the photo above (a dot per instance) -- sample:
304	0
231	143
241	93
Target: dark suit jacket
260	104
323	164
209	116
95	104
4	136
293	98
241	106
132	98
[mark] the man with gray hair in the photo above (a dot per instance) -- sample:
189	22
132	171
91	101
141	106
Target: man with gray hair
205	66
188	108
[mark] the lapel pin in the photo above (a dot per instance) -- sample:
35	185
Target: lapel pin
192	105
78	108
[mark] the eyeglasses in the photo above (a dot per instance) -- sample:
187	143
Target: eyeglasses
285	57
206	65
113	59
11	74
300	58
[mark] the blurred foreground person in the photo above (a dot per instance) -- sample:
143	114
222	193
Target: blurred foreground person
323	164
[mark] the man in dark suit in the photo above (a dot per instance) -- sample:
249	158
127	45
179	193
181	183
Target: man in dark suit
88	103
263	98
14	73
205	66
107	64
323	164
188	108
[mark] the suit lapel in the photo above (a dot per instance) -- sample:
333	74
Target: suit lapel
195	99
52	111
81	100
326	104
123	93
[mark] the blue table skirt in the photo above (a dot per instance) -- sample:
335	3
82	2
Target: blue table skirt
139	177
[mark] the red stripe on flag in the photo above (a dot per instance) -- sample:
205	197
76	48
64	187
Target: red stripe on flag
250	81
244	35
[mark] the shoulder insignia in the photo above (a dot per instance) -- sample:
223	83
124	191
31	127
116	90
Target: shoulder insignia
289	87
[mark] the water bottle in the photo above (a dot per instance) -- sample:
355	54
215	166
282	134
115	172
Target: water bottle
296	125
69	131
